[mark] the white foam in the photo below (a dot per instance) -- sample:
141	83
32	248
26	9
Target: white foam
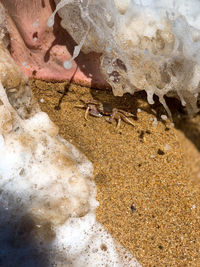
163	117
149	45
47	194
46	190
92	243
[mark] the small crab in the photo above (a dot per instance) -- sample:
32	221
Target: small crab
98	109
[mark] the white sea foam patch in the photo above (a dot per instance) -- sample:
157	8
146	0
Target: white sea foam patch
47	199
151	45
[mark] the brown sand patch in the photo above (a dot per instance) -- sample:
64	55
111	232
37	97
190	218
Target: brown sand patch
146	175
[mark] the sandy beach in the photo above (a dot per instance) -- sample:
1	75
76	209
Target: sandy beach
147	175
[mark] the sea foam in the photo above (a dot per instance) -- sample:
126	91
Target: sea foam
144	44
47	192
48	199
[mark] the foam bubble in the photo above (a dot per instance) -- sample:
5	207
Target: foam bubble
67	64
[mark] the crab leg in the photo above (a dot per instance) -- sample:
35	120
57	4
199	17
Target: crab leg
125	113
113	116
117	116
118	122
86	112
124	118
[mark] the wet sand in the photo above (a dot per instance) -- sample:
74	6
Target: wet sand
147	175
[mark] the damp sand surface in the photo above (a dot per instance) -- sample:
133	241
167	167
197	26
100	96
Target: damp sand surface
147	175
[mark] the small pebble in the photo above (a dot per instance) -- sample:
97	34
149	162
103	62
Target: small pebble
160	152
139	110
167	147
141	135
133	208
41	100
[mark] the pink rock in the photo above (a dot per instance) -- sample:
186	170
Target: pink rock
40	51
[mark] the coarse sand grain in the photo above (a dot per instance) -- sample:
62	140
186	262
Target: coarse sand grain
149	196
